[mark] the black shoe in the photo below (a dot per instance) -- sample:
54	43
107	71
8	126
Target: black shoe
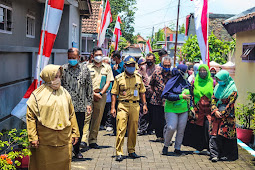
133	155
94	146
165	150
78	155
119	158
150	132
141	133
178	152
83	145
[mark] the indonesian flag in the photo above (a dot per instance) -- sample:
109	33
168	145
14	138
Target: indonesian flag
201	25
48	35
107	19
148	47
117	32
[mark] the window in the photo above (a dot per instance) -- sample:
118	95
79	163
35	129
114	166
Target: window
248	52
5	19
74	33
30	26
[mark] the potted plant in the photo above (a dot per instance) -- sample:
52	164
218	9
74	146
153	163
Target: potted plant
245	114
14	149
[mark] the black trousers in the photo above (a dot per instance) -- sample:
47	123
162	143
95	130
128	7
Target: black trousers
80	116
149	117
223	147
158	120
143	120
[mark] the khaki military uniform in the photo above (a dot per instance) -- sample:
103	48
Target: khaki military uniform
96	74
127	88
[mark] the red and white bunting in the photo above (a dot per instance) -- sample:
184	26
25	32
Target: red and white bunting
201	25
117	32
148	48
107	19
52	21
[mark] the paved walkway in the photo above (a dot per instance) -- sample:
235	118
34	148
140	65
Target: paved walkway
151	158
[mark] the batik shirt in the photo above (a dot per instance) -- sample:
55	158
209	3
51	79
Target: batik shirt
78	83
157	83
224	126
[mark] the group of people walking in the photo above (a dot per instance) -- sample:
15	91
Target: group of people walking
132	95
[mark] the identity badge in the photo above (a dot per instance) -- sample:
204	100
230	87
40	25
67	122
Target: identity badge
135	92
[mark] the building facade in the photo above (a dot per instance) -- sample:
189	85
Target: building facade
20	28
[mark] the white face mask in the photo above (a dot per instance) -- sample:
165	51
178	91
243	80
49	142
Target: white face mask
113	62
186	75
98	59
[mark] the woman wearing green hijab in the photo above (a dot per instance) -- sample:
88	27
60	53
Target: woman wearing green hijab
223	143
197	129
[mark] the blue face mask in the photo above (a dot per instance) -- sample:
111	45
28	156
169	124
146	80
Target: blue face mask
166	69
130	70
72	62
222	83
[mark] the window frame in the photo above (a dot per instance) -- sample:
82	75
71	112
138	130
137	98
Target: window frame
74	34
5	19
31	17
247	50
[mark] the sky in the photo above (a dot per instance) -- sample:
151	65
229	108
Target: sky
158	13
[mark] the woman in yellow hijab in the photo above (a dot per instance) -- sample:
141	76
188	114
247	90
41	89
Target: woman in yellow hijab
51	123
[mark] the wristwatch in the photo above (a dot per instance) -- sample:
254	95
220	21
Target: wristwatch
145	103
100	93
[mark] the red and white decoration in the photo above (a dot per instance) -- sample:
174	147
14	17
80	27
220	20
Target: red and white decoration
201	25
148	48
117	32
52	19
107	19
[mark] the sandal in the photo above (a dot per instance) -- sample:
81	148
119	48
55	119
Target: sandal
78	155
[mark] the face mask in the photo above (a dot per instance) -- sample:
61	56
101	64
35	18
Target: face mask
212	74
130	70
190	72
185	76
149	63
73	62
113	62
55	85
222	83
98	59
166	69
203	75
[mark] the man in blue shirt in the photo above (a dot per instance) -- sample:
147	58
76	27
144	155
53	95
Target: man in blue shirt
118	67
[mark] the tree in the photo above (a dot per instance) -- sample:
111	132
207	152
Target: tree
126	10
159	36
218	50
182	29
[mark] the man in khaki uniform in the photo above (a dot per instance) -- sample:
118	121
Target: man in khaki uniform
129	88
101	75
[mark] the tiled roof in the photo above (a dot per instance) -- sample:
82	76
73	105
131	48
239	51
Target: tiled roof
244	21
91	25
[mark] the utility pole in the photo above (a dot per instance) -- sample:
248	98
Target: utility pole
152	36
176	35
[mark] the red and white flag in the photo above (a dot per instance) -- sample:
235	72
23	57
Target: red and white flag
49	31
148	48
117	32
201	25
107	19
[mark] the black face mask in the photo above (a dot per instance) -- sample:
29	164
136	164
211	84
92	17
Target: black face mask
212	74
149	63
203	75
